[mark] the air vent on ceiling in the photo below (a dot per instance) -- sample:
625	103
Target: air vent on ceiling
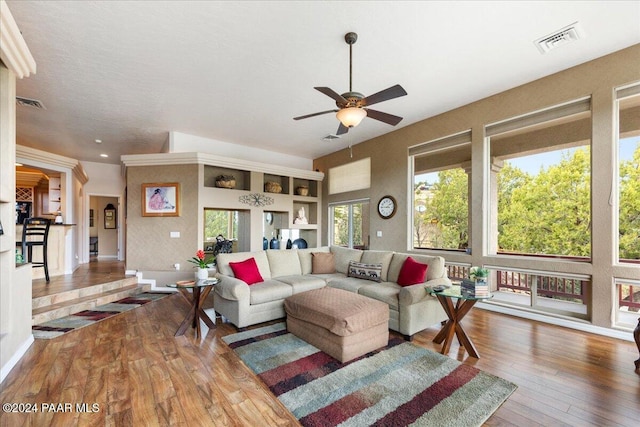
330	137
26	102
561	37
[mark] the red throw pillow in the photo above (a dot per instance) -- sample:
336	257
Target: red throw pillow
247	271
412	272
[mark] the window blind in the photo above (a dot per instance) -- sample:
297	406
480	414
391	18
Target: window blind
549	114
350	177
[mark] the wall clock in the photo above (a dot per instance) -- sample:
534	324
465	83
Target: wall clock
387	207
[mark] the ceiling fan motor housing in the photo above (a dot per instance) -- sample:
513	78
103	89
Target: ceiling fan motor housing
354	99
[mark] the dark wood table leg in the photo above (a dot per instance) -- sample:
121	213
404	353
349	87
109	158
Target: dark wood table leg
636	336
196	301
455	314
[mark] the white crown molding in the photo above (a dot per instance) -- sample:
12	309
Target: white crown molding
161	159
14	51
26	154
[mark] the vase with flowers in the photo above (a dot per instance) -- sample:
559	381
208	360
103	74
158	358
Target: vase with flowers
202	263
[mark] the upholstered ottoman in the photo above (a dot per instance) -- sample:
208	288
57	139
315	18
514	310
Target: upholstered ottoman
342	324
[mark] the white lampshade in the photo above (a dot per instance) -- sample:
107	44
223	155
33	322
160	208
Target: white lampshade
351	117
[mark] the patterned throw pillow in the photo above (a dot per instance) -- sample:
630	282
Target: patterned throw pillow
364	271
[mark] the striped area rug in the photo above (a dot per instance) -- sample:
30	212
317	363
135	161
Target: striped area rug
57	327
399	385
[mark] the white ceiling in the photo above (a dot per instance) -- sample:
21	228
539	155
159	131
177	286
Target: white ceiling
128	72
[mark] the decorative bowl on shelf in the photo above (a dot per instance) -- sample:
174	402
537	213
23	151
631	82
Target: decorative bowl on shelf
303	190
226	181
272	187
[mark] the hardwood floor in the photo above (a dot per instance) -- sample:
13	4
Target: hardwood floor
89	274
139	374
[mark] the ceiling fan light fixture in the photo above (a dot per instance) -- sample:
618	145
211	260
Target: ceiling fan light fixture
351	116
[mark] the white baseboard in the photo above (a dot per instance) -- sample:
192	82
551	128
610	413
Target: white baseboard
16	358
567	323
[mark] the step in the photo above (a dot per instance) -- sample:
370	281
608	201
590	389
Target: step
68	307
74	294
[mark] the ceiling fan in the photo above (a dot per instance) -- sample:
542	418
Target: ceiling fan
352	106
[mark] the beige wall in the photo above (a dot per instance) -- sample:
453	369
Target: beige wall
390	169
15	282
149	245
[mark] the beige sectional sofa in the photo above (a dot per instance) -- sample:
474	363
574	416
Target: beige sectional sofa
288	272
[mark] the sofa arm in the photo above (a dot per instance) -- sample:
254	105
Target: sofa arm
415	293
231	288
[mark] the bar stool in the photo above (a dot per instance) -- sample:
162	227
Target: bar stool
35	232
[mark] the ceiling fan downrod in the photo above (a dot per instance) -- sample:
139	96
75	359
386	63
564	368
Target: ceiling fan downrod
350	38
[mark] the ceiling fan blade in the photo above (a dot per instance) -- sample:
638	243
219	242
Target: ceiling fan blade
331	93
385	95
342	129
387	118
314	114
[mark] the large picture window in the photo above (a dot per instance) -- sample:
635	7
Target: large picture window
542	182
629	174
440	215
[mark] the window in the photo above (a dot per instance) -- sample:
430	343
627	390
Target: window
350	177
541	183
350	224
440	214
233	225
629	174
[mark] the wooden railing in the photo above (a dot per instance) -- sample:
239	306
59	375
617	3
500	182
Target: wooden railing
632	299
548	286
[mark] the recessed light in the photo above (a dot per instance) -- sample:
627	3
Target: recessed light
98	141
104	155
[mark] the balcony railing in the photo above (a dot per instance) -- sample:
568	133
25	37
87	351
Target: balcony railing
629	296
547	286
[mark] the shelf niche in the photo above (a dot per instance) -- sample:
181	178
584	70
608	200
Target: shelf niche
282	180
242	177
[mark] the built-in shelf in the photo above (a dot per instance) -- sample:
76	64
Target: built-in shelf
282	201
242	178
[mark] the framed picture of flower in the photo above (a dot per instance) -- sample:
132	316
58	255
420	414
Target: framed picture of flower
161	199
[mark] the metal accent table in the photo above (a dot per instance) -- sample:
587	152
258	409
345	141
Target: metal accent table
455	313
200	290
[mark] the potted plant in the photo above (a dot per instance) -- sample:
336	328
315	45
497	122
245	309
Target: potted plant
478	274
202	262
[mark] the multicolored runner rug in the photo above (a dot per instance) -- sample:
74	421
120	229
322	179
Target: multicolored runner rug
57	327
399	385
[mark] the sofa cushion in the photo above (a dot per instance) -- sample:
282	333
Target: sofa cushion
223	260
284	263
350	284
345	255
364	271
269	290
378	257
247	271
323	263
386	292
436	268
301	283
305	258
412	272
